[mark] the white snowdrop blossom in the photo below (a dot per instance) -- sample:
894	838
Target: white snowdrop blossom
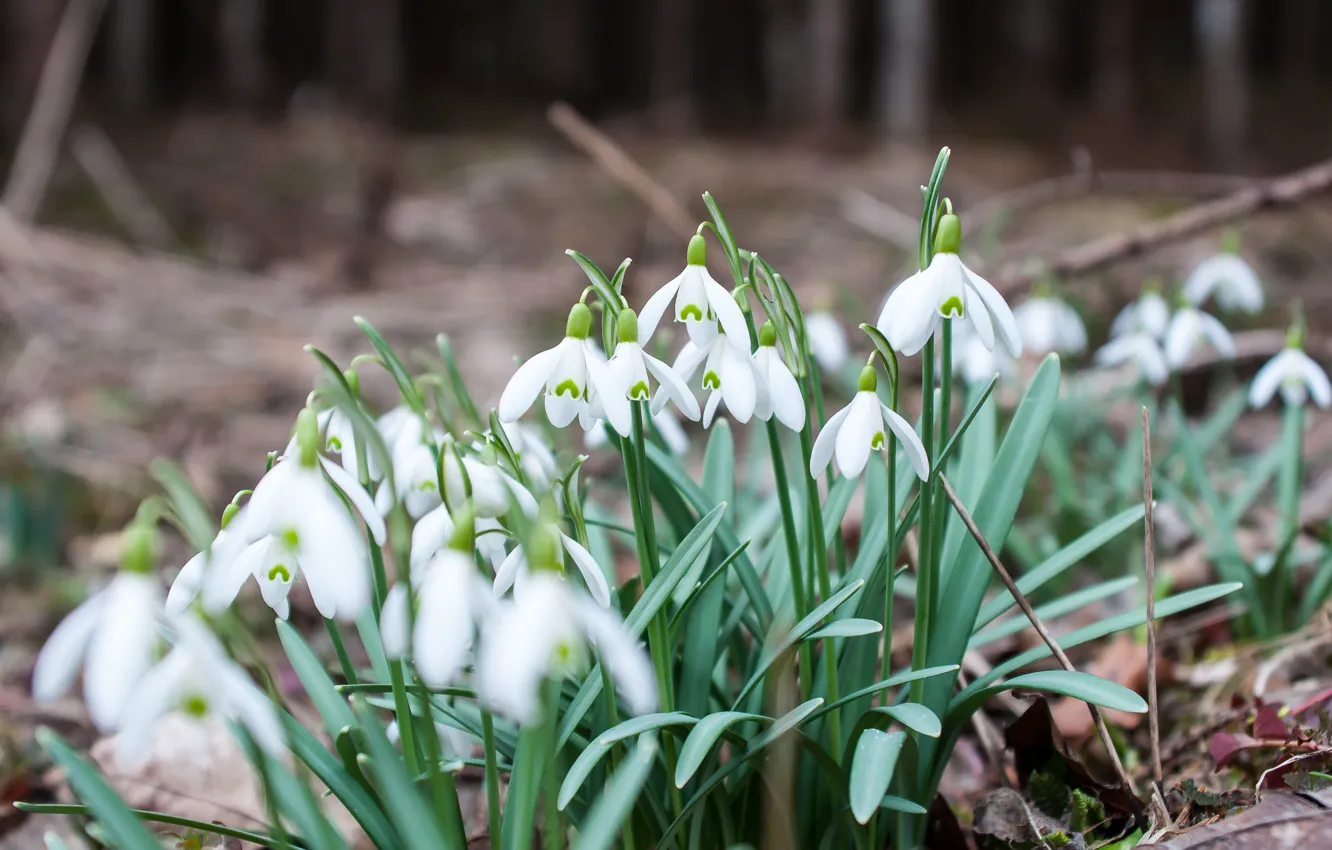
630	367
567	375
1296	375
544	632
1149	315
1191	328
1047	324
859	428
729	374
947	289
976	363
451	597
667	424
112	636
514	572
700	302
197	680
480	479
311	531
1140	348
826	340
788	402
415	475
1230	279
534	454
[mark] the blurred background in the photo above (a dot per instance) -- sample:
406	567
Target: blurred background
197	188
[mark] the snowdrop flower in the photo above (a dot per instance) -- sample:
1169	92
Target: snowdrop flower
978	364
261	559
700	302
415	474
946	290
729	374
534	454
514	572
788	402
1140	348
668	426
480	479
432	533
112	636
311	530
857	429
544	632
826	340
198	680
1294	373
566	374
451	597
1189	329
1229	278
630	366
340	439
1047	324
1149	315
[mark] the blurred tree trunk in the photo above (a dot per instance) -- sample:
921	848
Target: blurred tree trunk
363	55
1032	28
1114	56
672	55
133	38
1300	31
240	32
1219	26
906	67
828	21
555	44
783	60
28	27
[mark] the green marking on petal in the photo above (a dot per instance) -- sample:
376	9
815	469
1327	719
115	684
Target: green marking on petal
291	538
427	486
876	442
952	308
194	706
279	570
570	386
691	311
711	381
639	391
334	444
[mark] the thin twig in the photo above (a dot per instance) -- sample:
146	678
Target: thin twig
1025	605
128	202
1149	559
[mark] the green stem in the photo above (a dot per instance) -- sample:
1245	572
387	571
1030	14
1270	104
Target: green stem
258	838
492	775
1288	489
925	566
401	706
344	660
552	831
792	554
443	789
891	548
944	416
815	507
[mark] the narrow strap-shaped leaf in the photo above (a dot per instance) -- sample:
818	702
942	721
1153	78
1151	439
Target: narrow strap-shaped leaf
410	392
190	508
332	708
461	394
607	816
1073	683
848	628
891	682
703	736
872	768
1051	610
900	804
602	284
593	753
146	814
915	717
402	800
340	783
111	812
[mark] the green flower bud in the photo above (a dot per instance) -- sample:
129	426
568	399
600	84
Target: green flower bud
1295	334
463	538
543	548
869	380
307	437
140	548
948	235
628	326
353	379
580	322
697	255
228	512
768	334
1230	241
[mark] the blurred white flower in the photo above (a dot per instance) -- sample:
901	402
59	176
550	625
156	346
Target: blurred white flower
729	374
826	339
1142	349
544	633
1296	375
859	428
1189	329
513	573
976	363
490	489
1149	315
451	596
112	637
700	302
415	476
788	402
1230	279
198	680
629	369
1047	324
535	454
667	424
566	374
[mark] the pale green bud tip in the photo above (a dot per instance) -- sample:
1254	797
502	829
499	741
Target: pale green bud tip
353	380
948	235
1295	334
768	334
228	512
698	250
307	436
543	548
548	511
488	454
628	326
869	380
1230	242
463	537
140	553
580	322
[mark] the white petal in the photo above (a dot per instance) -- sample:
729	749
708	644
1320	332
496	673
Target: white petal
655	308
982	327
1316	380
275	577
1269	378
507	573
1181	337
673	385
122	648
1004	322
627	661
826	443
728	312
527	503
443	635
672	432
354	492
1153	313
915	449
710	408
490	497
251	707
187	584
332	552
616	404
1217	335
61	657
226	578
432	531
591	572
911	314
863	422
689	359
738	384
526	384
826	340
394	623
158	693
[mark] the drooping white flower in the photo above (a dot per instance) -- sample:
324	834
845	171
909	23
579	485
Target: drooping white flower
198	680
415	474
534	454
1296	375
729	374
1140	348
1047	324
859	428
826	340
1189	329
631	366
544	632
976	363
1149	315
788	401
947	289
566	374
310	526
514	573
700	302
665	421
112	636
1230	279
478	478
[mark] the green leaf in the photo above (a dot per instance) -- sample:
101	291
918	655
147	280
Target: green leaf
405	805
332	708
848	628
872	768
148	815
330	771
703	736
700	638
891	682
609	296
915	717
1058	608
899	804
593	753
1070	683
190	507
410	393
607	816
456	382
111	812
725	235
